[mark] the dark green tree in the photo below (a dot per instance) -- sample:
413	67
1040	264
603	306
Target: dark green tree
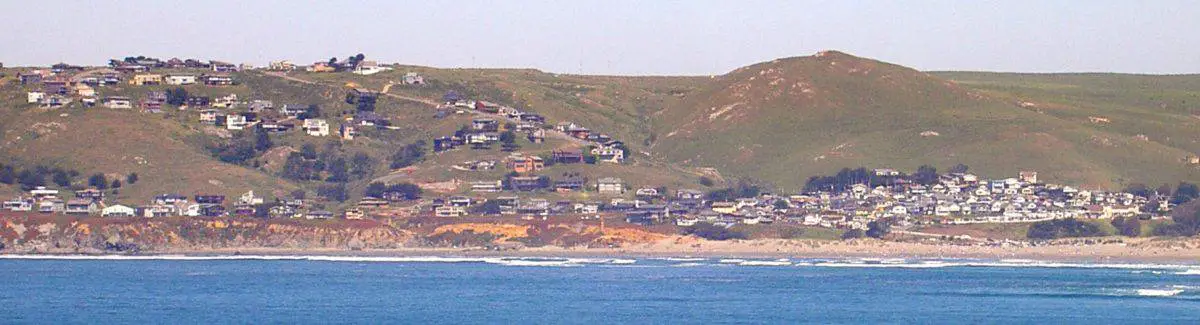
98	181
132	178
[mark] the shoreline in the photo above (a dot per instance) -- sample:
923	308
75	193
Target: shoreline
761	249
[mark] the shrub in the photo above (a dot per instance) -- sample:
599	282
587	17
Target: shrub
713	232
1063	228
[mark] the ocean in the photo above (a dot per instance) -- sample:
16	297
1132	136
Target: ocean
498	290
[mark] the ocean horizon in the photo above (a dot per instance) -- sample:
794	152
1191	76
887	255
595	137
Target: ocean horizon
449	289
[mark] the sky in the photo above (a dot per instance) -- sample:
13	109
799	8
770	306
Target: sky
650	37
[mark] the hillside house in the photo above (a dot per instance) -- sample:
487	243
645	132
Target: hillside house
537	136
209	116
83	90
90	194
118	102
81	207
146	79
527	183
218	66
276	126
118	211
610	186
367	68
210	199
579	132
347	132
239	121
567	156
29	78
570	184
487	186
485	125
316	127
611	154
448	211
291	110
318	215
51	206
55	101
131	68
35	97
412	78
283	65
259	105
227	101
197	101
56	87
526	164
18	205
180	79
217	80
170	199
533	118
369	118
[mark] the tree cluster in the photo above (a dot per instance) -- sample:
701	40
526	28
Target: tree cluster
1063	228
30	178
409	155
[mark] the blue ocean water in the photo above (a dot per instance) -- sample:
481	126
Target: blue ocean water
301	289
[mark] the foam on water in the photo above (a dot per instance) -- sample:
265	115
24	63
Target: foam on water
1158	292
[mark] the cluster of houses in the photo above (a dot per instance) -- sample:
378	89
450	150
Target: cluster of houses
63	84
954	199
91	202
485	131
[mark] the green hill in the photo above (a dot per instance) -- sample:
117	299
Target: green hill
786	120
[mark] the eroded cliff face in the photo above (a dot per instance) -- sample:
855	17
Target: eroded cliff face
60	234
38	233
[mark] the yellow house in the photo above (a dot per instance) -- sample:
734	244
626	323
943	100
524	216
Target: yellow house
724	207
146	79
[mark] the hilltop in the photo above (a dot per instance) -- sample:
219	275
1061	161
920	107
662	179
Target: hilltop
786	120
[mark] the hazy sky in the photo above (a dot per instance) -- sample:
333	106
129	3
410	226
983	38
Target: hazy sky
617	37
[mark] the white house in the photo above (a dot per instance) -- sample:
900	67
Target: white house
117	211
316	127
35	97
180	79
610	185
236	122
369	68
609	154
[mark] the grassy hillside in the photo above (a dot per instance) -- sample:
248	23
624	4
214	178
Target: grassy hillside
785	120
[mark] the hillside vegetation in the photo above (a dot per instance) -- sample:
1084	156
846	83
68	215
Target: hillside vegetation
786	120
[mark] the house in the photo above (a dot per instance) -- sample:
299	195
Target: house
210	199
570	184
259	105
155	211
412	78
316	127
18	205
524	164
180	79
354	214
724	207
347	132
318	215
170	199
146	79
527	183
487	186
217	80
686	194
368	118
90	194
569	156
647	193
610	185
35	97
587	208
81	207
237	121
51	206
118	211
283	65
58	87
291	110
197	101
579	132
30	78
218	66
228	101
485	125
448	211
610	154
537	136
1027	177
367	68
83	90
209	116
276	126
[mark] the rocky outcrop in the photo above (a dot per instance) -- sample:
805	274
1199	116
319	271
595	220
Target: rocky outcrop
58	234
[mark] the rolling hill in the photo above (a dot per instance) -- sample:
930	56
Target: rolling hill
786	120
